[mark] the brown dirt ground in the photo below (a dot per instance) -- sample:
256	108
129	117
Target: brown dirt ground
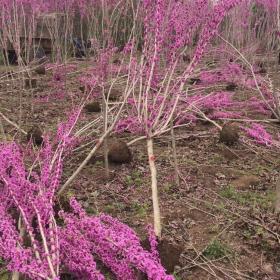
221	218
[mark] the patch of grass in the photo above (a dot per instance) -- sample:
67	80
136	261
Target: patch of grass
140	209
99	163
134	179
214	229
5	275
261	169
114	207
108	276
91	211
228	192
167	187
216	158
189	162
249	198
109	209
128	180
247	234
221	207
216	250
176	277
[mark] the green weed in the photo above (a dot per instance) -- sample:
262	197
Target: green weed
216	250
134	179
140	209
249	198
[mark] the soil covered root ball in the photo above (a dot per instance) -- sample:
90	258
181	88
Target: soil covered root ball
261	69
275	117
229	134
63	202
186	58
169	254
93	107
30	83
40	70
114	94
35	134
231	87
82	88
117	61
119	152
194	81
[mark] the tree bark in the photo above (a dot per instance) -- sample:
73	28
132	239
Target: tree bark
153	170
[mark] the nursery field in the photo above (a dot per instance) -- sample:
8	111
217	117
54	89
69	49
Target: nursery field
140	140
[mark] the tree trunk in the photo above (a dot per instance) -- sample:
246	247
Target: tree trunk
105	146
176	168
277	200
157	223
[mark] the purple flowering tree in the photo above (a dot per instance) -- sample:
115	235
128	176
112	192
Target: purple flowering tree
33	243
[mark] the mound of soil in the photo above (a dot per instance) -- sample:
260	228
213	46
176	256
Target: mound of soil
117	61
194	81
30	83
35	134
67	276
93	107
231	87
245	182
119	153
229	134
40	70
63	202
82	88
186	58
169	254
114	94
261	69
96	158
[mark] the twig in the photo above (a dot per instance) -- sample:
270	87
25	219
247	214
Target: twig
2	131
276	235
12	123
203	268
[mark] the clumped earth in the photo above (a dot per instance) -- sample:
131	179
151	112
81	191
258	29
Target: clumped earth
93	107
231	87
229	134
30	83
119	152
169	253
36	135
40	70
112	94
219	222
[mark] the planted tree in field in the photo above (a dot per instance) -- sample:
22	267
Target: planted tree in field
160	89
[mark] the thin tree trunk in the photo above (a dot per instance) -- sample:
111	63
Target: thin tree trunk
277	200
157	223
106	163
174	151
105	144
16	274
